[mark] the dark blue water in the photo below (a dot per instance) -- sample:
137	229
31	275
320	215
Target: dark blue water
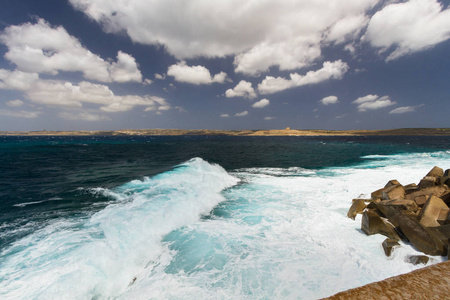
46	180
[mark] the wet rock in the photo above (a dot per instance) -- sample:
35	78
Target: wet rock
427	181
357	207
410	188
389	245
390	208
420	236
372	223
434	210
435	190
435	172
391	183
417	259
393	192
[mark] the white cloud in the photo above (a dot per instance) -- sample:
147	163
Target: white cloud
405	109
242	89
41	48
195	74
241	114
269	118
261	103
224	115
147	81
330	70
125	69
14	103
329	100
83	116
409	27
20	114
160	76
371	102
260	34
17	80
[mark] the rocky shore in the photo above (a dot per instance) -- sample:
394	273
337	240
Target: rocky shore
416	213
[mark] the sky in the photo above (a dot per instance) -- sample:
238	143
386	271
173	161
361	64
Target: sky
228	64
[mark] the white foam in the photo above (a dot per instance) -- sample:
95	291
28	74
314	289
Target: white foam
101	256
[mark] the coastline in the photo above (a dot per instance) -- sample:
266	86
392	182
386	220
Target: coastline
211	132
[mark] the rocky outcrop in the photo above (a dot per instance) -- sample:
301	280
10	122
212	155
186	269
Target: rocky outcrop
419	214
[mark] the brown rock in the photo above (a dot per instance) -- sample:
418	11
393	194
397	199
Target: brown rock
420	236
372	223
435	190
389	245
390	208
391	183
357	207
411	188
436	172
427	181
447	172
393	192
434	210
417	259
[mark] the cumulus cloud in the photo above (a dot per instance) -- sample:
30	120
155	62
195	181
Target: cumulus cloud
194	74
242	89
329	100
241	114
269	118
20	114
41	48
260	34
330	70
17	80
405	109
83	116
261	103
224	115
371	102
409	27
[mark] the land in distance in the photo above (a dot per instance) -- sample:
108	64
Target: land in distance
211	132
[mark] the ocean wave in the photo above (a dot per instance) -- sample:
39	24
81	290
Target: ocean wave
103	254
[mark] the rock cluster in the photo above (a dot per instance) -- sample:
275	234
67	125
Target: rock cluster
416	213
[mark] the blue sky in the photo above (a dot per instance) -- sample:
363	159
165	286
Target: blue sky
106	65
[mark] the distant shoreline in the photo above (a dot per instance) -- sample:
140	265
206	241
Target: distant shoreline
208	132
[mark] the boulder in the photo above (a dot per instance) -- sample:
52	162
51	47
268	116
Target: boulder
389	245
417	259
410	188
393	192
435	190
357	207
390	208
447	172
436	172
427	181
372	223
434	210
391	183
421	237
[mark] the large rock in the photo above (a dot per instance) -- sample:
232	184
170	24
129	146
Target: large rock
372	223
421	196
434	210
421	237
436	172
391	183
389	245
389	193
417	259
357	207
427	181
390	208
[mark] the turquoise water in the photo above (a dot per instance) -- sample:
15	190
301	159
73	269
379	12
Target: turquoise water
197	217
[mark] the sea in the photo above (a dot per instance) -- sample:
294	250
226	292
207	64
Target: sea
198	217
